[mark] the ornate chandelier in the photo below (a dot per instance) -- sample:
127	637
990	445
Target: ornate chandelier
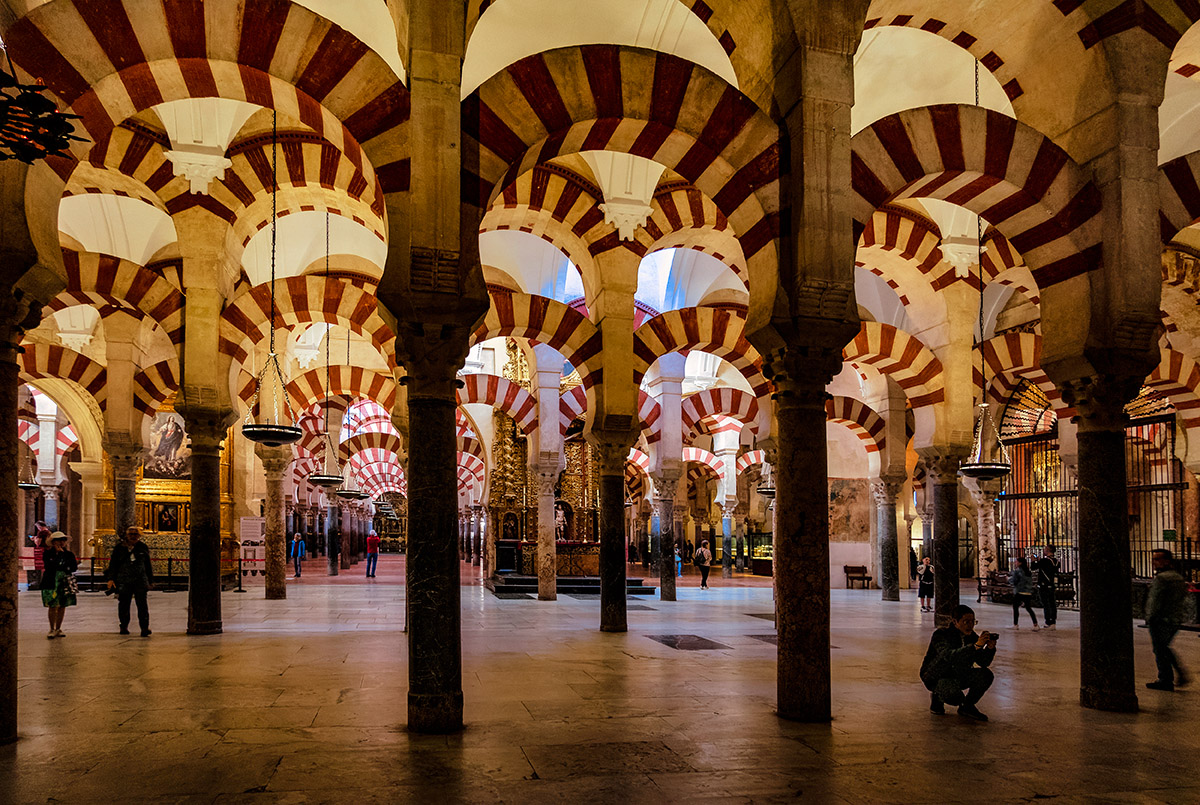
329	477
277	429
32	127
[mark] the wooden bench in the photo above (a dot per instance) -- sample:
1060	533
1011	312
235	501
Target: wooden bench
998	589
856	573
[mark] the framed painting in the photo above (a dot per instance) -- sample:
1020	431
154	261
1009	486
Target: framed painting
168	458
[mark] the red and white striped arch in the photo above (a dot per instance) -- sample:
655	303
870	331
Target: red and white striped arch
706	459
718	331
913	238
749	459
682	217
97	279
572	405
1011	358
649	417
28	432
545	321
154	384
1016	179
43	361
1178	377
344	381
653	105
503	394
388	442
861	419
710	403
896	353
1004	266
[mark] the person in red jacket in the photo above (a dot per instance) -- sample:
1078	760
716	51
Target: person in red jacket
372	554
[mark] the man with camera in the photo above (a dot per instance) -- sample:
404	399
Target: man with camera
957	661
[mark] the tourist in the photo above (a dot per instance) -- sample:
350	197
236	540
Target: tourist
1047	583
678	562
1022	584
958	660
633	554
704	562
58	586
925	585
41	541
372	553
131	574
689	551
1164	613
296	549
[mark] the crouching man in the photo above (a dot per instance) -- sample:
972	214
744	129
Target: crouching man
957	661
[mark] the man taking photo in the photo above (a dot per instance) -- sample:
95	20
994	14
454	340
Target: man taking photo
958	660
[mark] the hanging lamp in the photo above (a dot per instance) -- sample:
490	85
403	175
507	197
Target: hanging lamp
329	477
350	490
277	430
766	486
25	480
982	464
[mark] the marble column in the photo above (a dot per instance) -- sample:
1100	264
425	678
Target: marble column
10	546
477	536
666	486
926	516
345	532
653	554
125	460
984	494
885	489
206	432
275	461
547	547
942	467
727	543
802	538
50	506
463	536
740	537
333	537
611	457
1106	667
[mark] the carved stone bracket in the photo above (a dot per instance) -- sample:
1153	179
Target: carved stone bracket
666	485
1099	401
885	489
433	356
275	460
942	463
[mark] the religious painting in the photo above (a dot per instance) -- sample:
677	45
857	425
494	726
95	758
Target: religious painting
512	527
168	457
168	517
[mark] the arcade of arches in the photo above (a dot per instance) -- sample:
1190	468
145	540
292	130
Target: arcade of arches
570	295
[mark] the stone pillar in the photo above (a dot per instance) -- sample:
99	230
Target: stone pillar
740	537
984	496
547	547
926	516
50	506
333	537
611	457
345	532
477	536
275	461
942	468
125	461
727	542
204	556
654	542
1106	680
885	490
666	486
802	537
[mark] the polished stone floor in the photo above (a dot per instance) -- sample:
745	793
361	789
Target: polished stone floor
303	701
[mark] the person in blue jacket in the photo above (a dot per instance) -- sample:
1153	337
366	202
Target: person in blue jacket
296	551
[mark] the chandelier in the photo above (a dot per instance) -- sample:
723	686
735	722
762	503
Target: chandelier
278	429
982	464
766	487
25	480
32	127
350	490
329	477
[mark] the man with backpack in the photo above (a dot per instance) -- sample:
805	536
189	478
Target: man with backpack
703	561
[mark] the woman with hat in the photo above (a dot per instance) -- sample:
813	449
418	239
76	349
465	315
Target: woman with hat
58	581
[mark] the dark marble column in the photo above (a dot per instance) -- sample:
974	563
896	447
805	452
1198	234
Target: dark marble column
926	516
333	538
476	536
435	697
739	536
727	544
346	531
206	432
611	457
10	545
802	538
666	485
275	461
125	460
885	490
941	464
1106	668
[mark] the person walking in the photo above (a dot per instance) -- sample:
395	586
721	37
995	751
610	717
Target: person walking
704	562
1022	584
372	553
678	562
58	586
1164	613
296	549
129	571
925	584
41	541
1047	585
913	564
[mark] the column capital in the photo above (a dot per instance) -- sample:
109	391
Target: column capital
50	492
885	488
546	479
800	374
19	312
432	356
1099	400
207	428
275	460
942	463
612	450
666	484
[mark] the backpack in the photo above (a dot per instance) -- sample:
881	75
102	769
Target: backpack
696	559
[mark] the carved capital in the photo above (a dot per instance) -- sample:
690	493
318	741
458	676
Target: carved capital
942	463
611	454
885	489
19	312
800	374
432	356
1099	401
666	484
207	428
546	480
275	460
50	493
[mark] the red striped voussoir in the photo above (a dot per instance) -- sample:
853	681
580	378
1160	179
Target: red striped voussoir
108	60
571	406
902	356
1178	377
861	419
748	459
1015	178
546	321
653	105
65	440
719	331
649	417
154	384
705	459
50	361
92	276
28	432
1016	357
724	400
371	440
502	394
345	383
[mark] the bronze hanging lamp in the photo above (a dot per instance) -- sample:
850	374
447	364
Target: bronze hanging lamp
278	429
350	490
984	464
329	477
25	478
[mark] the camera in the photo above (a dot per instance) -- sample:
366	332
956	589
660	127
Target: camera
990	636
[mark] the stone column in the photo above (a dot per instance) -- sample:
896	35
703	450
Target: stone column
477	536
611	457
740	537
727	542
926	516
885	490
50	506
666	486
125	460
345	532
275	461
1106	680
206	432
802	538
984	496
942	467
333	537
547	547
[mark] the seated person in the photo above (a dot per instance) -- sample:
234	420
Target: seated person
950	665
